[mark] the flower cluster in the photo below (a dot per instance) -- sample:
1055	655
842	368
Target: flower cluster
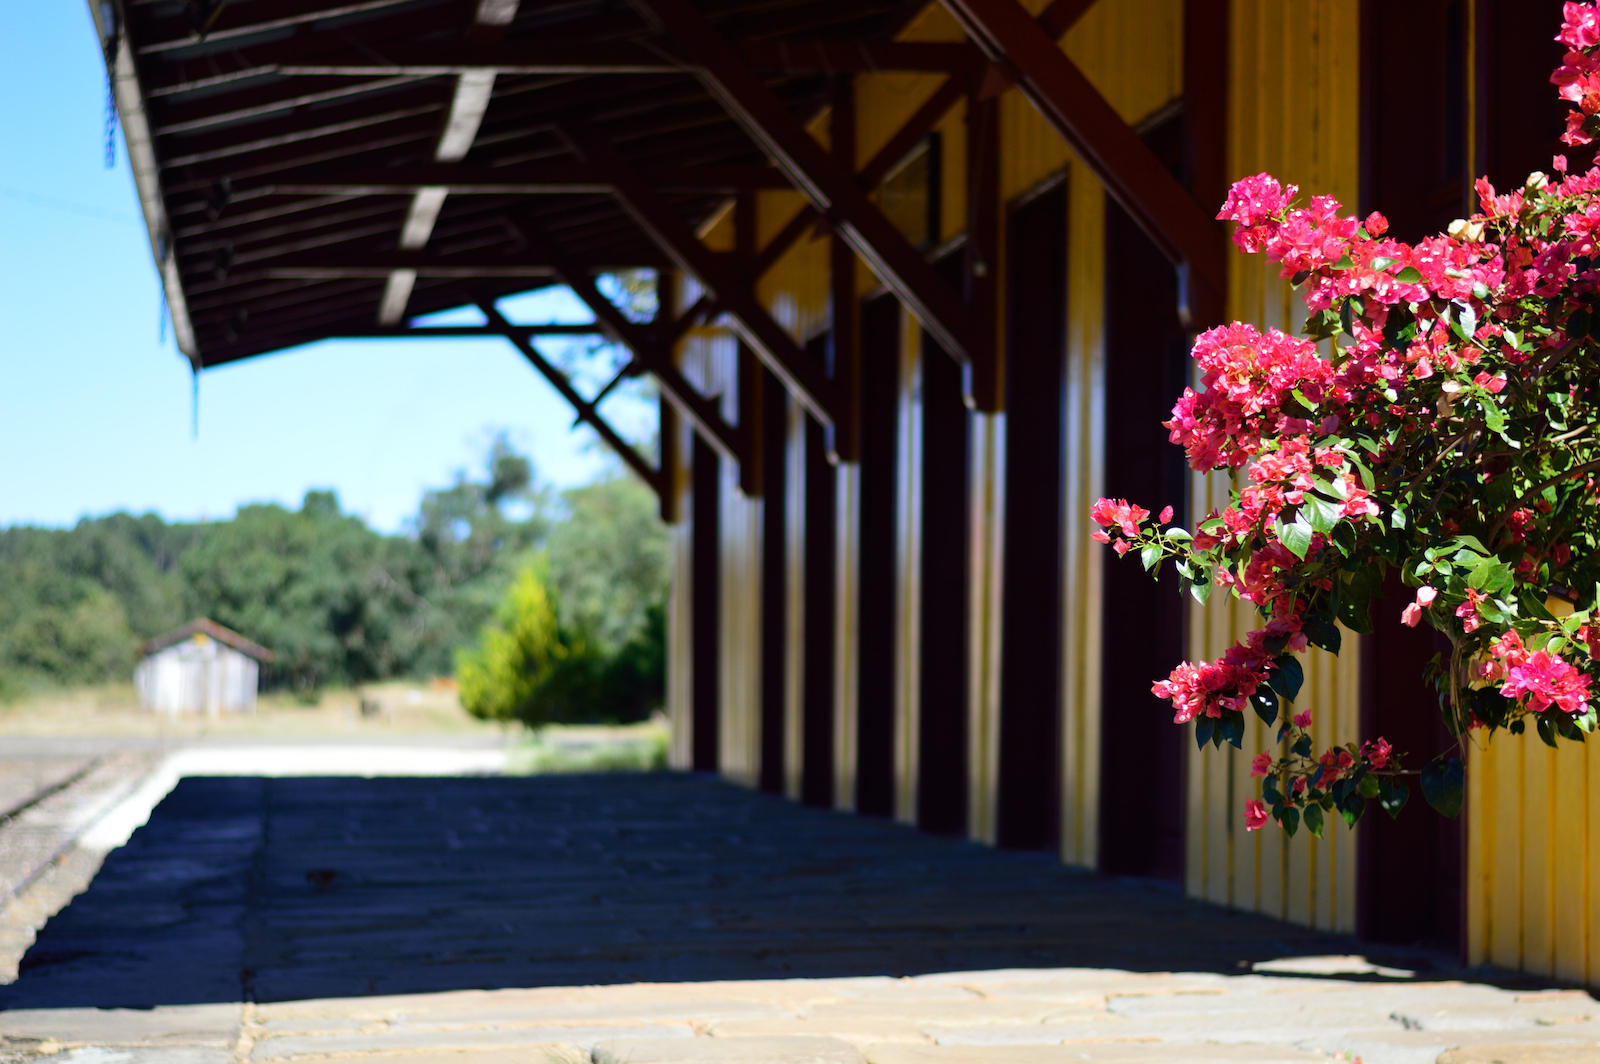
1440	415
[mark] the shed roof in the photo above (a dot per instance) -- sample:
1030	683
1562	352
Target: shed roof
207	627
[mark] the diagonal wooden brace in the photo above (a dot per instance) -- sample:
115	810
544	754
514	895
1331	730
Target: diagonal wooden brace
654	359
585	409
800	373
830	187
1130	172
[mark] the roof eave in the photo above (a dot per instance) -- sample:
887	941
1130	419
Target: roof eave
129	98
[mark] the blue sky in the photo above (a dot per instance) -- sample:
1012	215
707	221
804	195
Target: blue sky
95	409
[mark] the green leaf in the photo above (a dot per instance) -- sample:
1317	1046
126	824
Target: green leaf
1201	592
1409	275
1368	786
1203	727
1492	415
1149	555
1314	820
1231	729
1322	513
1442	783
1392	796
1320	631
1354	596
1287	677
1296	536
1382	262
1265	703
1491	575
1352	807
1291	821
1547	730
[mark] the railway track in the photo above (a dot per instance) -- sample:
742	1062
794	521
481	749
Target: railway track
47	805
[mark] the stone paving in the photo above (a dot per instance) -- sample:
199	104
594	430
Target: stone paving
663	919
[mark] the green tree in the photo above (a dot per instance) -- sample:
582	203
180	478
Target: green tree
524	667
610	562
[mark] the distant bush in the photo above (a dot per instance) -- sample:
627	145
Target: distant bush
531	667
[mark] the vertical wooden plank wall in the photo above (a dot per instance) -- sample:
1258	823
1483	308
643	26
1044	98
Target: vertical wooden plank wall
1293	111
680	625
1533	857
1133	52
795	599
985	543
908	563
846	632
1082	566
739	690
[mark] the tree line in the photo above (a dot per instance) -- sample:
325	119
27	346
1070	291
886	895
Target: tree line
342	604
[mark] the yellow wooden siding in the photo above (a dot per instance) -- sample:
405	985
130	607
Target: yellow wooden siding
1533	857
1083	560
1294	111
846	641
739	593
908	567
680	647
794	568
986	477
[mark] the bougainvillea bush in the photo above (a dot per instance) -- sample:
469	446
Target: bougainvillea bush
1449	430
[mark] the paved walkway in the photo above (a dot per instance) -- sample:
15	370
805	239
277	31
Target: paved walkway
660	919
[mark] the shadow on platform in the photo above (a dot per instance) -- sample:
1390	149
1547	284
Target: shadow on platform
280	889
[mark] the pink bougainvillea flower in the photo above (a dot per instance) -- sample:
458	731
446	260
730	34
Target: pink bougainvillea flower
1255	814
1580	27
1302	720
1546	680
1118	512
1411	616
1121	547
1378	752
1426	594
1468	611
1165	515
1261	764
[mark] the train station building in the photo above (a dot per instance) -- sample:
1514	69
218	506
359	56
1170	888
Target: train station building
927	275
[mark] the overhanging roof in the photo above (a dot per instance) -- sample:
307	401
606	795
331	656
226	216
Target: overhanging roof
282	147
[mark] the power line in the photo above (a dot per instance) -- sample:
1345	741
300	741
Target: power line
68	206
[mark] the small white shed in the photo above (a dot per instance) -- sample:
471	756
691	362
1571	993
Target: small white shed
200	668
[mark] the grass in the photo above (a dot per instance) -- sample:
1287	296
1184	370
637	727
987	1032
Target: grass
590	748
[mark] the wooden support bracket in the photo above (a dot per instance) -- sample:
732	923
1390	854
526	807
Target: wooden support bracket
1130	172
831	188
799	373
649	352
585	409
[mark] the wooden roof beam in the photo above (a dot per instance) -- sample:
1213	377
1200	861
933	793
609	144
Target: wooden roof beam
831	188
800	373
575	58
525	179
233	23
474	89
1183	231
